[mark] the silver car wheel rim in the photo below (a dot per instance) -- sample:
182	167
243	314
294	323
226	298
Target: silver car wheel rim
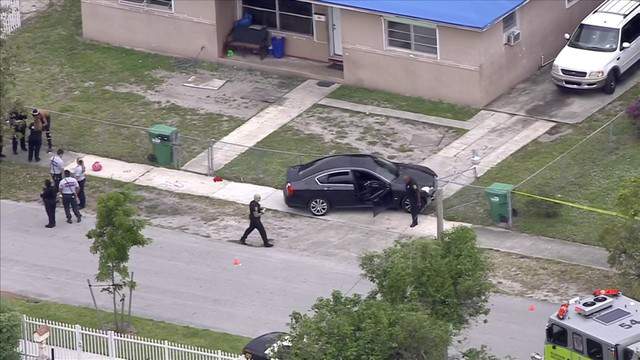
318	206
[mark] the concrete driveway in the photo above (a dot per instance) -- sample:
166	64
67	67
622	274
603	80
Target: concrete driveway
539	97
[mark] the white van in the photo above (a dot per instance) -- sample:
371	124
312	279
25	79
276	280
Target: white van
601	49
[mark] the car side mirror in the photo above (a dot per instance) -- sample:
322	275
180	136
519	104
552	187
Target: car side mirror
567	36
625	45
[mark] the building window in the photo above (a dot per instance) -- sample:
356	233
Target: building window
570	3
153	4
509	22
285	15
420	38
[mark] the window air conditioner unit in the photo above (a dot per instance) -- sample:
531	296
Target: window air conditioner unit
513	37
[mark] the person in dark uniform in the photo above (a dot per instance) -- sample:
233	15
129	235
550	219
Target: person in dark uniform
255	212
35	140
413	194
45	119
18	121
48	195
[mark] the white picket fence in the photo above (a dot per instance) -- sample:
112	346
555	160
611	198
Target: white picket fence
10	16
79	343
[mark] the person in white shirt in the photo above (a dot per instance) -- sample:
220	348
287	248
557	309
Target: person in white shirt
56	167
78	174
69	189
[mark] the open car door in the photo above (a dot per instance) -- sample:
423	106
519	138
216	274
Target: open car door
380	197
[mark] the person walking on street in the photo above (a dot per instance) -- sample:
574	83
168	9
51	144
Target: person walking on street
78	174
255	213
413	194
56	167
69	188
44	117
35	140
49	197
18	121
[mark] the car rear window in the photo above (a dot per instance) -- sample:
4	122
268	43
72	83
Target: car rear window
336	178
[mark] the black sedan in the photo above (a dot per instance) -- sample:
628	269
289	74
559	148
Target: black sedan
261	347
353	181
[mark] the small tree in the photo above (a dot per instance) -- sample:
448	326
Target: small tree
622	239
352	328
117	230
9	333
448	278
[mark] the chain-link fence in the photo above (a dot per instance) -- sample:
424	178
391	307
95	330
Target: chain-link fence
565	184
116	139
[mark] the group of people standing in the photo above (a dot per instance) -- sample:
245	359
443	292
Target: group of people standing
31	143
69	185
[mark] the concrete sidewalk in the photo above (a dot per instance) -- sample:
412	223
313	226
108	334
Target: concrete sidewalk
541	247
260	126
393	222
377	110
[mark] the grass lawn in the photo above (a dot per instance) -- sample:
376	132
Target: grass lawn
24	182
56	69
148	328
590	175
405	103
269	168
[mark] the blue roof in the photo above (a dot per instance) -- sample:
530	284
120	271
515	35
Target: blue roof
475	14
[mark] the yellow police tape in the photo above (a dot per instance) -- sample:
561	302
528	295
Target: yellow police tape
583	207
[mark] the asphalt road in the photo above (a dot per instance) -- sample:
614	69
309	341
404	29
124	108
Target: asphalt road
192	280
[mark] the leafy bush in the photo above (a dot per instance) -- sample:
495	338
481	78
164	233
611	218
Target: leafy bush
9	333
448	278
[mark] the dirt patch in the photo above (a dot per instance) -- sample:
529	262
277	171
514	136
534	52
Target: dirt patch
545	280
245	93
395	139
226	221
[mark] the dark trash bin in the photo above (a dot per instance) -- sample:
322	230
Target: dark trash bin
162	139
498	195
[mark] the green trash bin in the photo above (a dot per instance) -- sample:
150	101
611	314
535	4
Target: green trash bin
498	196
163	138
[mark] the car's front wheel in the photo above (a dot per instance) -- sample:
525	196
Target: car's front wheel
610	83
318	206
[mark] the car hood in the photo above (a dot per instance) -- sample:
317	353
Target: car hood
422	175
583	60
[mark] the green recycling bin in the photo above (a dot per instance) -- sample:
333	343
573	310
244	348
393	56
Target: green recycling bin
498	196
163	138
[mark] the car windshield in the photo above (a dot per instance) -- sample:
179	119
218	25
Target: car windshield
596	38
387	169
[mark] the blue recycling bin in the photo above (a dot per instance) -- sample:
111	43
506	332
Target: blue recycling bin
277	45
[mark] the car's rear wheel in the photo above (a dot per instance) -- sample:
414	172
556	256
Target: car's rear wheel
318	206
610	83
